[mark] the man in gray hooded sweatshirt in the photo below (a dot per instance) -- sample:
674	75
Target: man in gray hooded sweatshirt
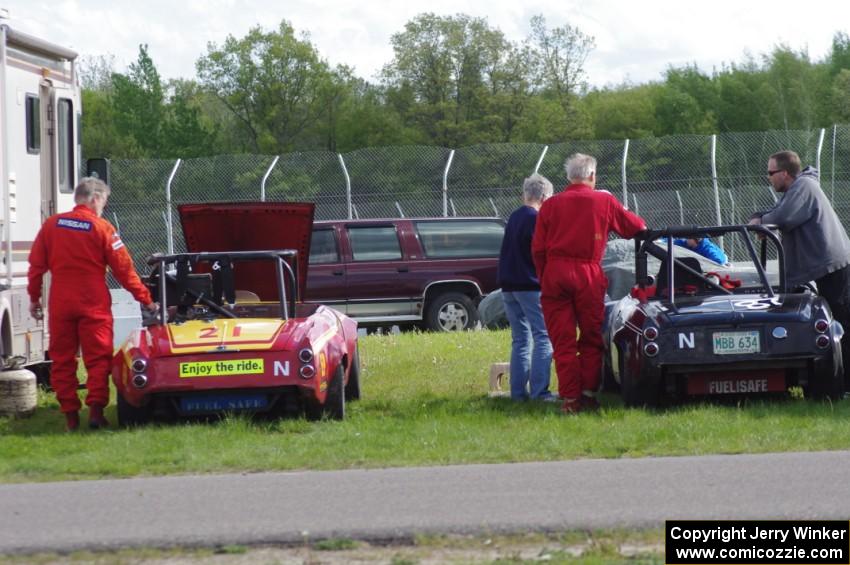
816	246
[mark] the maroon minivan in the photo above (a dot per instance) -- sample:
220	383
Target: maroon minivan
426	272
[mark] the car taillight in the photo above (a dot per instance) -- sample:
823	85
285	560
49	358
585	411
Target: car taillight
305	355
650	349
822	341
307	371
140	380
821	326
650	333
139	365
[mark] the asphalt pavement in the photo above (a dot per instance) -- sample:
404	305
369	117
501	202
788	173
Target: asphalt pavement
385	504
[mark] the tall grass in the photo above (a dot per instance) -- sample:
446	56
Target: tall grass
424	402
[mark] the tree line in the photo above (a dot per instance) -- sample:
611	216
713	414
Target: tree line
453	81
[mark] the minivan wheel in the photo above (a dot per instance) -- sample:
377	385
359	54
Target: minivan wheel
451	312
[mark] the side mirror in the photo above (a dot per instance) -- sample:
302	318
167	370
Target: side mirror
98	168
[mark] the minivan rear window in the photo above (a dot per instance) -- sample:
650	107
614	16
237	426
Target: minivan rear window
374	243
467	238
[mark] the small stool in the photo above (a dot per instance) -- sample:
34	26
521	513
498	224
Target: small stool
499	373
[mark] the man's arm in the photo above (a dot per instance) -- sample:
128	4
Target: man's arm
35	275
119	260
624	223
538	242
794	208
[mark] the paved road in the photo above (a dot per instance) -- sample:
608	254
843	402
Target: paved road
396	503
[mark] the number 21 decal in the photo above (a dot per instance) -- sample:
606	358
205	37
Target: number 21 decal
212	332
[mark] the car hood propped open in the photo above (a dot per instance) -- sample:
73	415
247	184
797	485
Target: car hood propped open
251	226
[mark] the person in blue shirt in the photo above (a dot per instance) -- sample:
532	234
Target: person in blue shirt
531	350
705	247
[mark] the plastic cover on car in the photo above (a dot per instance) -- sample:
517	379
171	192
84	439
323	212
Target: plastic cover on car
251	226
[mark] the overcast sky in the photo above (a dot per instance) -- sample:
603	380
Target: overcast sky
635	40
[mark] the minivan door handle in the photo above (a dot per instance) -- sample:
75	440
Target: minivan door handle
403	270
339	272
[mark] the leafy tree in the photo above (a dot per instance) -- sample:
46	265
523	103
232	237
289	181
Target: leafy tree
139	103
624	112
273	84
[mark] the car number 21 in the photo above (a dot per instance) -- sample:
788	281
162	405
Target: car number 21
212	332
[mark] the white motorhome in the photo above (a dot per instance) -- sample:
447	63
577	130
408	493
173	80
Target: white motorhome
39	162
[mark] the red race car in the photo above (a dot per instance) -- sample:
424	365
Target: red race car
232	334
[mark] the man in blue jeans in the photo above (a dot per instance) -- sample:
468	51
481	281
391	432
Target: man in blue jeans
531	350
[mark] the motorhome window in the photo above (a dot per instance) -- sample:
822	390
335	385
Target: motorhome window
33	119
65	131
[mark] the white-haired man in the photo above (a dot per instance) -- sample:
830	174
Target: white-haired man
569	242
77	247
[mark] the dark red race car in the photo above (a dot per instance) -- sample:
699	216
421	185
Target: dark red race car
232	334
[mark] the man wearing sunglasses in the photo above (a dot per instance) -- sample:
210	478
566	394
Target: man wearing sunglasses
816	245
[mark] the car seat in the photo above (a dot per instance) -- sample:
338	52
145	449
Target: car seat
682	278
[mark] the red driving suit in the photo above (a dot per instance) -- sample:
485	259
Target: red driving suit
568	245
76	247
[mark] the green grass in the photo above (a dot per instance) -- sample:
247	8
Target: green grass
424	403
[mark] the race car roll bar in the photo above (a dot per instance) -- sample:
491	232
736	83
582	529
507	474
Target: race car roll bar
645	244
286	270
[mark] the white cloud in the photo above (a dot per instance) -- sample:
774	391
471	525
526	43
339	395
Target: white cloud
634	40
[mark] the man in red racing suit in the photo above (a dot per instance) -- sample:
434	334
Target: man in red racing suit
568	245
77	247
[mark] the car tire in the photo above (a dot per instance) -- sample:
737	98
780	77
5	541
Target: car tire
635	394
352	388
827	386
450	312
129	415
335	402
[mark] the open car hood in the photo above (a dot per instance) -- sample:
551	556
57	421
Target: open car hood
252	226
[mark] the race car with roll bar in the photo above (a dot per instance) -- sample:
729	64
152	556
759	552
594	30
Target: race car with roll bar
687	333
232	335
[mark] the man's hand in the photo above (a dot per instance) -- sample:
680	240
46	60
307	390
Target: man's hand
756	222
153	307
36	310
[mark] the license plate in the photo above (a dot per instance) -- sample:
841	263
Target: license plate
748	382
736	343
223	403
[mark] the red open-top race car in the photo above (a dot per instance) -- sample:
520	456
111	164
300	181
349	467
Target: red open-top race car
232	334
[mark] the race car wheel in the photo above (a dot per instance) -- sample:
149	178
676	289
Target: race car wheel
636	394
335	401
451	312
352	388
826	386
129	415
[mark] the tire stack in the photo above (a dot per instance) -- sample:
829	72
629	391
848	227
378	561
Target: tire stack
18	396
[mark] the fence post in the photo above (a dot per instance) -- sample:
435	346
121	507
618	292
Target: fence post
820	148
637	210
169	221
400	212
834	131
347	185
446	183
625	189
540	160
734	239
265	177
714	182
681	209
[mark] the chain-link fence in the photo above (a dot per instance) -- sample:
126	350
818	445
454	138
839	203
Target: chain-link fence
682	179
